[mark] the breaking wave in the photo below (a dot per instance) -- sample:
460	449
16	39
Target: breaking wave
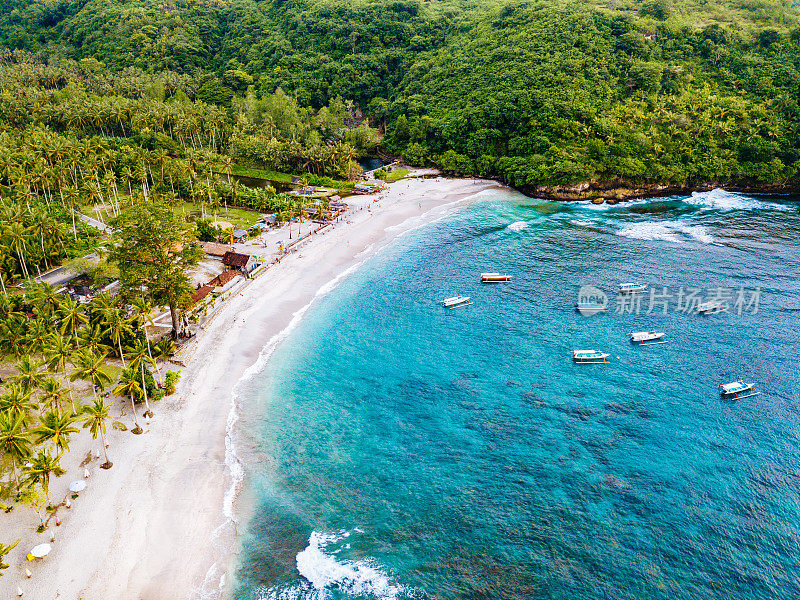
325	575
517	226
719	199
670	231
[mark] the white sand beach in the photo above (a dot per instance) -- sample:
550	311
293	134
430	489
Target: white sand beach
154	527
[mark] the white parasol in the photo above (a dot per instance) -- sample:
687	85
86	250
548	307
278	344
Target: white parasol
41	550
77	486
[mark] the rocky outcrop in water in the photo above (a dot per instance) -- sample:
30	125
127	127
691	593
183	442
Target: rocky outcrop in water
611	191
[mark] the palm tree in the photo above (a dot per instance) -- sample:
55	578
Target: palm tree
16	233
53	394
129	386
117	326
40	468
90	368
72	317
38	332
95	417
139	355
92	338
56	427
15	442
4	550
141	309
28	375
17	402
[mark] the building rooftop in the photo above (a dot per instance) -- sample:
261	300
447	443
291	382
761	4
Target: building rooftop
234	259
215	249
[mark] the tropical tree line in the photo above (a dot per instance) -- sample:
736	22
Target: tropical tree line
54	343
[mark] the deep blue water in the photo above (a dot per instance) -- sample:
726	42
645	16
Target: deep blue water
401	450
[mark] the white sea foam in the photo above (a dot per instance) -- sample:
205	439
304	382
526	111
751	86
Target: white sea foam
517	226
584	222
718	199
670	231
323	574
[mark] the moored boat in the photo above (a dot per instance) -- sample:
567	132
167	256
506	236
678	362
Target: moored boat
494	277
630	288
589	356
709	308
590	307
645	338
456	301
737	389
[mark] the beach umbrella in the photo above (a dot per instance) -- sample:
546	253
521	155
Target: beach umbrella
41	550
77	486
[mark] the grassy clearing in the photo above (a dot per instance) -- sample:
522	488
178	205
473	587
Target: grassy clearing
261	174
395	175
238	217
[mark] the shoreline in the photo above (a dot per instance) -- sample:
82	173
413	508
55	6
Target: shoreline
164	521
614	191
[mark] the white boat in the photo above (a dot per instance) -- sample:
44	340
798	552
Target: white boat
456	301
645	338
494	277
732	391
590	308
710	308
589	356
630	288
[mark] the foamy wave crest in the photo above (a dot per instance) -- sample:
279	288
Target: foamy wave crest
324	574
670	231
518	226
719	199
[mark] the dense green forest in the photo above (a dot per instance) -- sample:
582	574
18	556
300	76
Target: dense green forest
537	93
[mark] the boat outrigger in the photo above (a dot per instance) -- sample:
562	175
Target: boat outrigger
737	390
494	277
709	308
589	356
630	288
645	338
456	301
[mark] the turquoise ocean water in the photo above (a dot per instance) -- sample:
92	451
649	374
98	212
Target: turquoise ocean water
401	450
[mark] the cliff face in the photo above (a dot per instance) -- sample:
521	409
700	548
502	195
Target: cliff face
612	191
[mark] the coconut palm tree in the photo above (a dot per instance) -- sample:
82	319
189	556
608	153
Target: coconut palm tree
40	468
91	338
72	317
138	354
57	352
129	386
117	326
15	441
54	394
90	368
141	309
38	332
56	427
28	375
94	419
17	401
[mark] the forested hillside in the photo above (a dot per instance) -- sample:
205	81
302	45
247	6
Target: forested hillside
538	93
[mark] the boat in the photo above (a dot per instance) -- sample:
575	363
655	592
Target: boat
645	338
630	288
590	307
732	391
494	277
456	301
589	356
709	308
